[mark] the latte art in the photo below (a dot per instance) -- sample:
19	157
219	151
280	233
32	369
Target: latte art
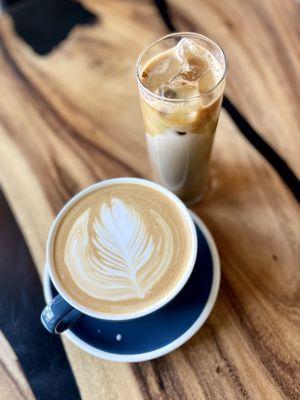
121	260
121	248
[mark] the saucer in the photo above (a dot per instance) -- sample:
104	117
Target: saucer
162	331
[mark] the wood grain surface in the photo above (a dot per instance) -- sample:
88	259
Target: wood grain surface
261	40
72	118
13	384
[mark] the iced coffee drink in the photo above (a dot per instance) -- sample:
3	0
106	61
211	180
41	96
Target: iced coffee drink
181	83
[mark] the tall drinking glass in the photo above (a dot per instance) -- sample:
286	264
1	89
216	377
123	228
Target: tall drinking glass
181	80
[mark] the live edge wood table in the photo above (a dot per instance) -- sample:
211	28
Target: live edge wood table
71	117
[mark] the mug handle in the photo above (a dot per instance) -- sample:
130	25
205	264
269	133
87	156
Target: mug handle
58	315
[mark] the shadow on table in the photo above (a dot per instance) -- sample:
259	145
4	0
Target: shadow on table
44	24
40	354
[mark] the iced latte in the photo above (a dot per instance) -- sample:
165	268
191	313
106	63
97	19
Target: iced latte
181	83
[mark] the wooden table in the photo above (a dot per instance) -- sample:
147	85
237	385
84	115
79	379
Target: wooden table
71	118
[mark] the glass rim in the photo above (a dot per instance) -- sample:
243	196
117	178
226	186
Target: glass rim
182	100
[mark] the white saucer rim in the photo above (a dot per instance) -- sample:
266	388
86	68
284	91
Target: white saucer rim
193	329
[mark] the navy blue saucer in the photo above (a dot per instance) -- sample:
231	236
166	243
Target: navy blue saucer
165	329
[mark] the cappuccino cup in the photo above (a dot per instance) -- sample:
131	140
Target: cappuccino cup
118	250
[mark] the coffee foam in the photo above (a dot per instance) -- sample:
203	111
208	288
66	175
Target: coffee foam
121	248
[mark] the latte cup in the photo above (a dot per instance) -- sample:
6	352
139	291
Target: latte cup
64	310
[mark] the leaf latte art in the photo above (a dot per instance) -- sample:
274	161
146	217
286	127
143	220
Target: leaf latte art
120	259
121	249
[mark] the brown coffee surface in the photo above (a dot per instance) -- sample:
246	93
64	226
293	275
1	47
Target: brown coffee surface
121	249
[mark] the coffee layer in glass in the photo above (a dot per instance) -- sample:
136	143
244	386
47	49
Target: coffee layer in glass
181	82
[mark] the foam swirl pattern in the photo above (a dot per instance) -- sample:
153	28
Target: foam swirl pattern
121	248
121	260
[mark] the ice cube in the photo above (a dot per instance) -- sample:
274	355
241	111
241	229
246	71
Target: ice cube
179	88
161	71
166	66
207	80
185	49
190	71
166	91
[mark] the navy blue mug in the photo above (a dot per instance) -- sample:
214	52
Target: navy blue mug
63	310
58	315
